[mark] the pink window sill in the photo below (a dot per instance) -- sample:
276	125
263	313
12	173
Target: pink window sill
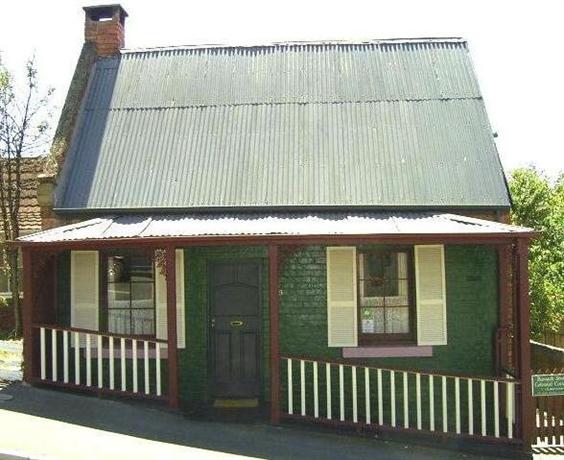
389	352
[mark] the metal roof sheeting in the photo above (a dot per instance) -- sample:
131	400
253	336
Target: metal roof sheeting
378	124
263	224
284	74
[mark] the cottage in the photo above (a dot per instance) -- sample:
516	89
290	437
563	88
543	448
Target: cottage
316	228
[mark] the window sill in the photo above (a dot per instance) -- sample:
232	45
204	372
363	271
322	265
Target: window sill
397	351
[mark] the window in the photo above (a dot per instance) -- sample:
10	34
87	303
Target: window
385	301
129	294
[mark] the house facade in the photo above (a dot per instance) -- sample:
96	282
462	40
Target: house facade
316	228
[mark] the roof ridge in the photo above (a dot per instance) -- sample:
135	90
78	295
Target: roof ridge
379	41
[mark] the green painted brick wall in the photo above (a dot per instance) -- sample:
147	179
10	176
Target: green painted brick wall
471	274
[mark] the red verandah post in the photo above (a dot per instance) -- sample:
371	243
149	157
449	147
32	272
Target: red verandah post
172	351
274	302
27	314
504	263
526	400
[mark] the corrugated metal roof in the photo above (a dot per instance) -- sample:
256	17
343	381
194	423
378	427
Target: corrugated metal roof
284	74
262	224
378	124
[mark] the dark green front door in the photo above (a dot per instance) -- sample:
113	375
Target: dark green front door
235	328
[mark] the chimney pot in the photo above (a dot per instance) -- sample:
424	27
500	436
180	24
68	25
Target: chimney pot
104	26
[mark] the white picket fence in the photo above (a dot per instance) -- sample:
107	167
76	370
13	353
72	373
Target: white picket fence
399	399
91	360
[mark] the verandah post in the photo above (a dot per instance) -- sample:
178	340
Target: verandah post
274	302
526	400
172	350
504	262
27	314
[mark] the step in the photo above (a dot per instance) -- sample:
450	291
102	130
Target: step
235	403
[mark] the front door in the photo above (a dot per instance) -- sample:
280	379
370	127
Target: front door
235	302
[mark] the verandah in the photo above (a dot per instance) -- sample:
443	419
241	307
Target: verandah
276	247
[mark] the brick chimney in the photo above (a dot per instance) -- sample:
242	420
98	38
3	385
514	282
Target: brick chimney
105	27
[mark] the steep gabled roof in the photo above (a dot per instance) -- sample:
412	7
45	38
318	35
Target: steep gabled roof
398	123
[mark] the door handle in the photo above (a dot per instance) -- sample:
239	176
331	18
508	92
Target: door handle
213	323
236	323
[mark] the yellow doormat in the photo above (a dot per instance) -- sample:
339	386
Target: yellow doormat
235	403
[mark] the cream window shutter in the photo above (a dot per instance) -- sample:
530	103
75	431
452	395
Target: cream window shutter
84	289
431	295
160	302
341	297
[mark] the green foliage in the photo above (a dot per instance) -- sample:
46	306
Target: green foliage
539	204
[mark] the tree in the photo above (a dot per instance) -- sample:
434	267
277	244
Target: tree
539	204
24	115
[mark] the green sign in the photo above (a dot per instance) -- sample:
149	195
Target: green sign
548	385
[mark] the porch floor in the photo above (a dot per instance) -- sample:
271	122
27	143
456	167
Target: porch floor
37	421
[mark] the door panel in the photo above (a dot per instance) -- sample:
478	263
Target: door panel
235	328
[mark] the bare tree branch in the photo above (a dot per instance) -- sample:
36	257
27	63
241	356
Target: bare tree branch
23	130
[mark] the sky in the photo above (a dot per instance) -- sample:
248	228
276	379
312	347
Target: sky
517	47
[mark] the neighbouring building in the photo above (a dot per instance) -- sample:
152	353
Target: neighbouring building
30	215
318	228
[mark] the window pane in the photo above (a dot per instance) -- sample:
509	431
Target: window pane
367	318
118	295
118	269
403	292
372	320
119	321
390	287
142	295
397	320
143	322
374	287
402	269
373	266
141	268
390	265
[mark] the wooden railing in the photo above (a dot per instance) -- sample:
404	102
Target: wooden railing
549	421
100	362
549	416
342	393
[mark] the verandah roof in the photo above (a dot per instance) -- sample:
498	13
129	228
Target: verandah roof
196	225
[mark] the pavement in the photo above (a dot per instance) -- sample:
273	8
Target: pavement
11	360
39	423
